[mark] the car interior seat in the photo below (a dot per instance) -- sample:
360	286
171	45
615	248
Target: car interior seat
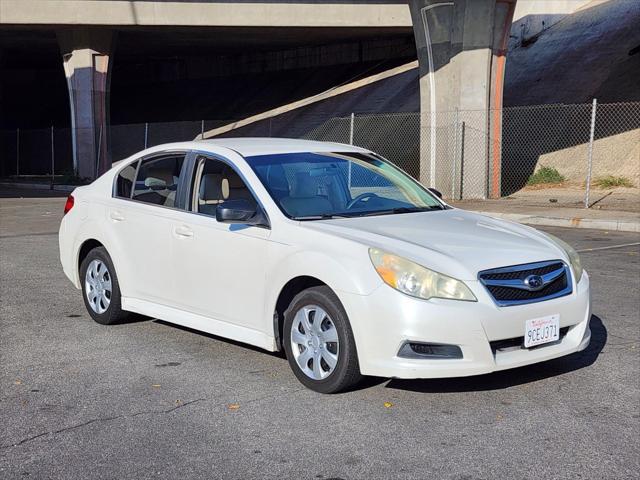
304	199
234	188
277	182
161	186
210	193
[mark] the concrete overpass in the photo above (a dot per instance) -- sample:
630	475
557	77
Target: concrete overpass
88	31
460	44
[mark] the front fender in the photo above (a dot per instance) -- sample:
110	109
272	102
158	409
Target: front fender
348	274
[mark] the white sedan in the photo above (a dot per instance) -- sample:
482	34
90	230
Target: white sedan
326	251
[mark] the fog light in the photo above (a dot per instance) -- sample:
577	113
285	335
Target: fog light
429	350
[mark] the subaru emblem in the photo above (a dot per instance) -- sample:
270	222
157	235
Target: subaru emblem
534	282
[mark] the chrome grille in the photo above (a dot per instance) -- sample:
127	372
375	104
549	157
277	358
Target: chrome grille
511	285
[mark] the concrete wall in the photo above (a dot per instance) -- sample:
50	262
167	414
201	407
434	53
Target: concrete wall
394	13
534	16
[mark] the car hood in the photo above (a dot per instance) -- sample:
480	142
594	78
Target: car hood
454	242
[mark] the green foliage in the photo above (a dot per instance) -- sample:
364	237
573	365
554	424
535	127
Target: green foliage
545	175
610	181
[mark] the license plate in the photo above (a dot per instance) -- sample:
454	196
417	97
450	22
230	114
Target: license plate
539	331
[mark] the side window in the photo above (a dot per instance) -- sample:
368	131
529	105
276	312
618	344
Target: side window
157	180
215	182
124	183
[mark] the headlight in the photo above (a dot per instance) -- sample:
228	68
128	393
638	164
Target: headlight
574	258
416	280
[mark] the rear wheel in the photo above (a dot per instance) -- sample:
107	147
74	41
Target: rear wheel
319	342
100	288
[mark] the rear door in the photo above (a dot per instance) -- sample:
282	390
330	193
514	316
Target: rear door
142	217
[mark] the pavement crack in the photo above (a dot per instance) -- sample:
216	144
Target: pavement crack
169	410
55	432
100	419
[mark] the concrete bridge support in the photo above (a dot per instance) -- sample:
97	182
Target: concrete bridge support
87	57
462	47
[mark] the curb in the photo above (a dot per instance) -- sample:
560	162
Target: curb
575	222
39	186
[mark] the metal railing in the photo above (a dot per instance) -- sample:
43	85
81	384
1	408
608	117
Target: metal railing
548	155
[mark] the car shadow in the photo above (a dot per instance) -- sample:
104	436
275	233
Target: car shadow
220	339
491	381
516	376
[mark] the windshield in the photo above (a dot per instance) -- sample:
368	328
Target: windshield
311	186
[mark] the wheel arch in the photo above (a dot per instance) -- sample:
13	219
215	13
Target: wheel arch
86	246
88	243
287	293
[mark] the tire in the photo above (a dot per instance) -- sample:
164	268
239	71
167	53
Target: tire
107	309
329	367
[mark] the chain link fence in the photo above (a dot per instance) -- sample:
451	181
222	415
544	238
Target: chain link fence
544	155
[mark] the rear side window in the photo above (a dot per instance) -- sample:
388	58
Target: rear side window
124	183
157	180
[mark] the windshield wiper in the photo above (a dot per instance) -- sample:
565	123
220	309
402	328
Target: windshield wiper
392	211
324	216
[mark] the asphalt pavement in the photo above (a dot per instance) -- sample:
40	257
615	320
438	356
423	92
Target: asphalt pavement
151	400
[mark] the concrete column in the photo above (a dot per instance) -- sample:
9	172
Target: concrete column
87	57
461	47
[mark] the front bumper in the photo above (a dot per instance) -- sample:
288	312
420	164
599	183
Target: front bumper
386	319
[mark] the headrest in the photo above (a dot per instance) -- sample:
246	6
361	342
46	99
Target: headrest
128	173
234	179
158	178
231	181
305	186
210	187
276	178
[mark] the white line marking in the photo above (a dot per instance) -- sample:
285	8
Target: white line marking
609	248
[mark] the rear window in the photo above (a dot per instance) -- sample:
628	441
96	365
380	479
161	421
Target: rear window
124	183
157	180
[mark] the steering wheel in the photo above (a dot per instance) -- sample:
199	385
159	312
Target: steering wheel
361	198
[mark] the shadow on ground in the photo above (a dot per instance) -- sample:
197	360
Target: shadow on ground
492	381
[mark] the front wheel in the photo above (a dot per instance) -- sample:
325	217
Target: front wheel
319	342
100	288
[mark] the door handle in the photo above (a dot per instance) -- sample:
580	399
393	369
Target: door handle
183	232
116	216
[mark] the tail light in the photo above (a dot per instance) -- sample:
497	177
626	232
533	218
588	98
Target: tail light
69	204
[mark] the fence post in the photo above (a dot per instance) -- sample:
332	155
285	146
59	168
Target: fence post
455	156
146	134
462	132
351	124
53	159
99	153
17	152
590	159
351	128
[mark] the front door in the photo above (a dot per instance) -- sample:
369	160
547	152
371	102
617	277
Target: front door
220	268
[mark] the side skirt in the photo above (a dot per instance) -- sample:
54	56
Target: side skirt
200	323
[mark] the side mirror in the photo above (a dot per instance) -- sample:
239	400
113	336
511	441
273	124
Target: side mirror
436	192
239	211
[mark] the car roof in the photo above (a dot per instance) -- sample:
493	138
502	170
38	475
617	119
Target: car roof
250	146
